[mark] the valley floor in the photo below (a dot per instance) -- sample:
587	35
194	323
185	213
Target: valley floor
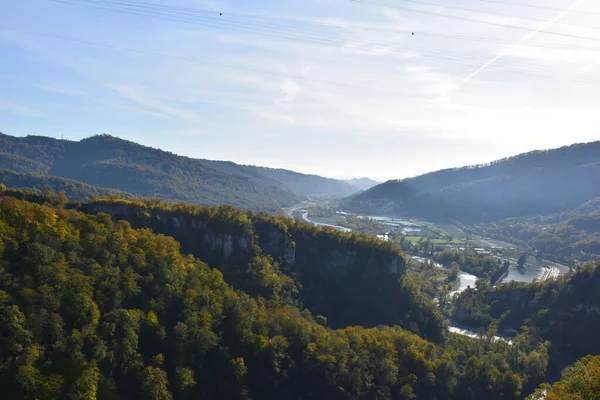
535	269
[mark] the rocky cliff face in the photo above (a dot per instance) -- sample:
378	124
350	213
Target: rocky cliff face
206	239
350	279
330	254
219	243
276	242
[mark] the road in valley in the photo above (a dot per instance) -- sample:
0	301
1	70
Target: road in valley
300	209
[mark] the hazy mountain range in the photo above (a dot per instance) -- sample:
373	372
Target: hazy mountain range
535	183
362	183
112	163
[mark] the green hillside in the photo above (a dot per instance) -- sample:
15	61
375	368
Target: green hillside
113	163
579	381
92	307
300	184
569	237
74	190
536	183
565	312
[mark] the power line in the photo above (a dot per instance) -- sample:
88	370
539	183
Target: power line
261	29
321	39
254	70
497	57
264	31
186	10
444	57
460	18
450	7
508	3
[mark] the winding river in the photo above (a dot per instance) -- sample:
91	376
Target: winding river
339	228
465	280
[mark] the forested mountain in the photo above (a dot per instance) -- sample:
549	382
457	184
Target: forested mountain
536	183
93	307
300	184
330	267
109	162
74	190
362	183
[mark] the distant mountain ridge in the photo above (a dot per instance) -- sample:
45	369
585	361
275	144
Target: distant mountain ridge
362	183
534	183
75	190
300	184
109	162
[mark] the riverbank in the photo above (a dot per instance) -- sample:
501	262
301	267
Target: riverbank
456	328
464	280
337	227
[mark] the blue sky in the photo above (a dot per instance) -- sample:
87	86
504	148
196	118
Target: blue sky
310	97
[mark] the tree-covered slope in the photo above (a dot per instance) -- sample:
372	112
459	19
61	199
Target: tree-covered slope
363	183
569	237
300	184
114	163
580	381
565	312
93	308
331	270
19	163
143	171
74	190
540	182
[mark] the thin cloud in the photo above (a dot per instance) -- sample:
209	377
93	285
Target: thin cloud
63	90
151	102
324	127
13	108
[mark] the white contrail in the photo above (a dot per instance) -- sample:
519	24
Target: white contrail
524	39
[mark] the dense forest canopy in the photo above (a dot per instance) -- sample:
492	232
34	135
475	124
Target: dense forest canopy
569	237
299	184
565	312
110	162
540	182
92	306
485	267
578	382
75	190
331	267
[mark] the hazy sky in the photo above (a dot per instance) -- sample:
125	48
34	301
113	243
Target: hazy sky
317	96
